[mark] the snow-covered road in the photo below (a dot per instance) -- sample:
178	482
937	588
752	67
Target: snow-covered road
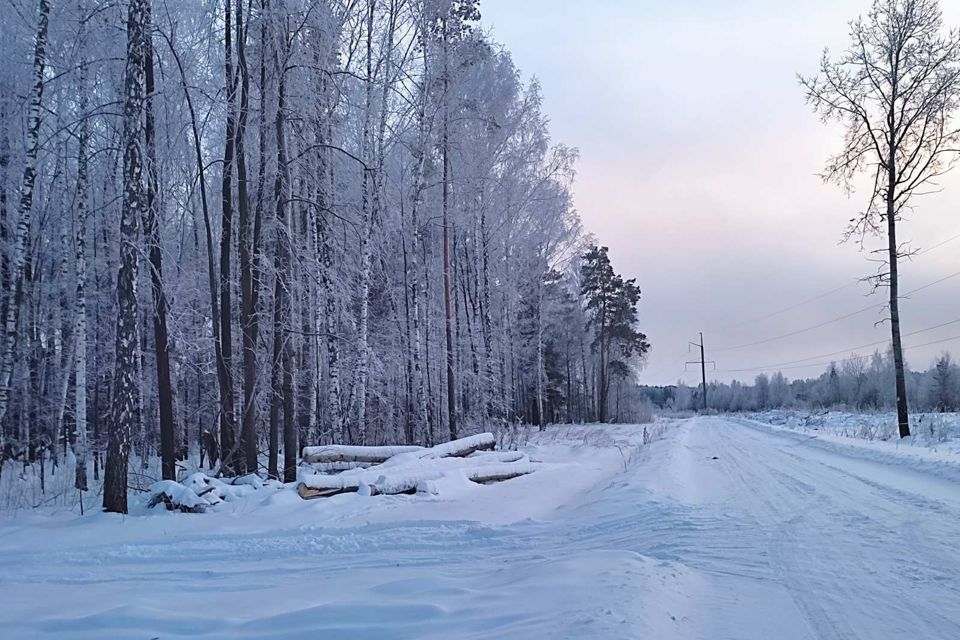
795	539
721	529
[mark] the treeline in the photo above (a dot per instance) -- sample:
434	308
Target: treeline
857	383
229	229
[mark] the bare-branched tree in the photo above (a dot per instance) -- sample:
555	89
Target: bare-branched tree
895	90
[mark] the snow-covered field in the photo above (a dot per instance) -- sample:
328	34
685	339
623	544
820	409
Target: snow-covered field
716	528
935	437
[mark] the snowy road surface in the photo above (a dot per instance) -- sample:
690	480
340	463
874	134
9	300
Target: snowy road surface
721	529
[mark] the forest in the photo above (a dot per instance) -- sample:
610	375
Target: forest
229	230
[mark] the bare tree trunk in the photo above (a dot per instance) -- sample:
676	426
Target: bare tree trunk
448	313
249	248
168	460
25	210
5	286
230	460
359	391
486	323
409	411
283	350
126	394
431	428
903	419
334	410
81	448
208	234
276	378
541	419
274	417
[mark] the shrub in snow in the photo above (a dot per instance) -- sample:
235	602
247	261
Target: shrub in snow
644	413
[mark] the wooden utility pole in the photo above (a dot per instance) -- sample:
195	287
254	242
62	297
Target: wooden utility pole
703	368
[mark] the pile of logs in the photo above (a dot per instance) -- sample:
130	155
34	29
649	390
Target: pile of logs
335	469
199	491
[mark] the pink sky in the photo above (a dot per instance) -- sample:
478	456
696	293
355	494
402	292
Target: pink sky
698	163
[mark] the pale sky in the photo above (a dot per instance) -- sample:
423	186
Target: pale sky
698	169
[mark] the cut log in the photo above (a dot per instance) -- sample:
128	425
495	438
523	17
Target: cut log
410	469
176	497
462	447
322	486
498	456
491	473
308	493
336	454
324	482
411	482
353	453
336	467
172	505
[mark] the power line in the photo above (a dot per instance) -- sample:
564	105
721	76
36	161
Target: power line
804	330
828	362
837	319
938	245
840	351
825	294
930	284
791	307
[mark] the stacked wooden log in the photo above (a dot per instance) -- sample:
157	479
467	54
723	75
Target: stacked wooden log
395	470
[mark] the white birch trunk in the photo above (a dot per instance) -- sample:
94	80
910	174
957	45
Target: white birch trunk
81	447
25	209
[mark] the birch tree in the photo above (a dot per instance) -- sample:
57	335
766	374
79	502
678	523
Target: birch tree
126	393
25	209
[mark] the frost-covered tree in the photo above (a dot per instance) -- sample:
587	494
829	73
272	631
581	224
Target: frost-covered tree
943	388
303	165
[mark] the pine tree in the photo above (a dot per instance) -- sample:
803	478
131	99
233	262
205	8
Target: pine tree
611	302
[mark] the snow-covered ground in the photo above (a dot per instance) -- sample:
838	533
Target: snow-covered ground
935	437
717	528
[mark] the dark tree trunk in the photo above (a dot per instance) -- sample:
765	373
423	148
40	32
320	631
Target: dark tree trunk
903	419
283	284
152	230
282	397
895	139
276	381
223	387
230	460
249	278
448	312
126	392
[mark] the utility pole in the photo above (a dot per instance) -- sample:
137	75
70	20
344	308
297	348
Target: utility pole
703	367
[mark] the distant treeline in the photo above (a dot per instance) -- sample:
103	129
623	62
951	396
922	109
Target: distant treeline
862	383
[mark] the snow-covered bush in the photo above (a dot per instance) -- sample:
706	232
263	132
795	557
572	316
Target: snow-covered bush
645	412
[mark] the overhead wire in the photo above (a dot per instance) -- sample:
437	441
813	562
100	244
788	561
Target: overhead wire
828	293
833	320
848	350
